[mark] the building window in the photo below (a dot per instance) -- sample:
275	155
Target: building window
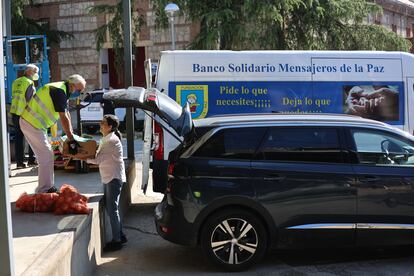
369	19
407	32
387	20
394	28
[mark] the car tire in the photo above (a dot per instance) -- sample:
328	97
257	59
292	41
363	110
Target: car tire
122	126
139	125
223	244
91	129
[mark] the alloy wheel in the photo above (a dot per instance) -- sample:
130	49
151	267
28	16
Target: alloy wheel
234	241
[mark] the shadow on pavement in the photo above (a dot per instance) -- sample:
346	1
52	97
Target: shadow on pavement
306	257
147	253
25	172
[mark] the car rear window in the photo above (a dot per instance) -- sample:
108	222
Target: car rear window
304	144
233	143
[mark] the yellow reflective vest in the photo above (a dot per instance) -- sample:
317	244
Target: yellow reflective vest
40	111
19	88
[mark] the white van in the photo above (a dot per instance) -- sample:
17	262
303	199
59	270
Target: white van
376	85
92	113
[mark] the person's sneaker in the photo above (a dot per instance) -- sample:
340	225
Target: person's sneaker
123	238
113	246
52	190
21	165
32	163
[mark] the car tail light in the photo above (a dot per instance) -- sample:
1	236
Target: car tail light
159	142
170	171
151	97
171	168
166	230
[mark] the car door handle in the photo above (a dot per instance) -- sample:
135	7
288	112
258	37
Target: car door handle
274	177
369	178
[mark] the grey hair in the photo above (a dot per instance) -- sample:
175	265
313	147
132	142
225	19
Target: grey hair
31	67
75	79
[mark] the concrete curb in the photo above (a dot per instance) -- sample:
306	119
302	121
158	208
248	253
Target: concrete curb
65	255
76	247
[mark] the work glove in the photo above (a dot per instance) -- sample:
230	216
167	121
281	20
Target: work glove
73	147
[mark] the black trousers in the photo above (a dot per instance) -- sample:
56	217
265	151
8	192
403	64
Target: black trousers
19	143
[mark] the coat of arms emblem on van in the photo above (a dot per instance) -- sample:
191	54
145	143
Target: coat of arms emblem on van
196	96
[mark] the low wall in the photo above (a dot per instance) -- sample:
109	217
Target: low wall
75	249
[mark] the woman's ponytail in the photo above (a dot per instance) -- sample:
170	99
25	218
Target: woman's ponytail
113	121
118	134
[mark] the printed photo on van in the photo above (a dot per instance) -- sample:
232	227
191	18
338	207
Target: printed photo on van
371	101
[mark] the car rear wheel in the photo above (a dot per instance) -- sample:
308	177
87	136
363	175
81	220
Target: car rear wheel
91	129
234	239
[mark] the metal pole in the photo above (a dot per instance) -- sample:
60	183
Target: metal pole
26	44
6	238
9	57
130	116
7	22
172	32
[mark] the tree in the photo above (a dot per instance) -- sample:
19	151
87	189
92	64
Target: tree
115	28
286	25
22	25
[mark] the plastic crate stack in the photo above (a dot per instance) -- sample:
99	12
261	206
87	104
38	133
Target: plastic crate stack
59	159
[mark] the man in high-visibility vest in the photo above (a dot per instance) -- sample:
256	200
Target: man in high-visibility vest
49	104
23	89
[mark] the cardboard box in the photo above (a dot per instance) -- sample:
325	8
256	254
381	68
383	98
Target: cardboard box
87	149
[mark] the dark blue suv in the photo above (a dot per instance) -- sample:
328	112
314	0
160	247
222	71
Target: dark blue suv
240	185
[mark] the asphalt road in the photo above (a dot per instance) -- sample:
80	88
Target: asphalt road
148	254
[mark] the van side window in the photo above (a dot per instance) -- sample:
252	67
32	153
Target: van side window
233	143
380	148
302	144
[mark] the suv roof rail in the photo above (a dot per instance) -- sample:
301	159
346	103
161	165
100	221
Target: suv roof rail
279	113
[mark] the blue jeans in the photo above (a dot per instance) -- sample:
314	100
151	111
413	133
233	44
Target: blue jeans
112	193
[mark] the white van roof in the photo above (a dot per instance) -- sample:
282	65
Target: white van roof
220	65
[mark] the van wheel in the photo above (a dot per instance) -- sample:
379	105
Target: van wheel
234	239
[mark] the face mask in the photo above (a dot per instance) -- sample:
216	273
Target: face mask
74	94
35	77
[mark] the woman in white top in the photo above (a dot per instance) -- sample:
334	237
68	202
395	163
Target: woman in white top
109	157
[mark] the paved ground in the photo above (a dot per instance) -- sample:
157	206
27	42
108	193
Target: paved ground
148	254
33	233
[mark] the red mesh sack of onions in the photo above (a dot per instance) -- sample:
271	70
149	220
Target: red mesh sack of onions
44	202
70	201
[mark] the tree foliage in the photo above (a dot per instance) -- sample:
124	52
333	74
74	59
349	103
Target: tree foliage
22	25
115	28
286	25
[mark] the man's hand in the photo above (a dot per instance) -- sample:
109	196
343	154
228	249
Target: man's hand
354	100
384	103
66	125
380	104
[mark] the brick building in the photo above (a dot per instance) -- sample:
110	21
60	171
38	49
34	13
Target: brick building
398	16
78	55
